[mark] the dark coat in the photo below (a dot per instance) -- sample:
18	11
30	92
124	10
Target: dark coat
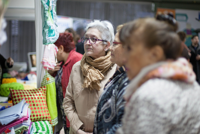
80	48
195	63
3	66
110	108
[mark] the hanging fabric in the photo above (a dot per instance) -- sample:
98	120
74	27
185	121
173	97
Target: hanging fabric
49	82
50	32
49	58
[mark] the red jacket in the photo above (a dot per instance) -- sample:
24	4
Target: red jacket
67	67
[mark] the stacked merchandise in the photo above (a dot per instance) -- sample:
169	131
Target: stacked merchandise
41	127
17	117
4	103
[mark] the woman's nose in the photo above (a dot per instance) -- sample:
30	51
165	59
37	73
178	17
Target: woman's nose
88	41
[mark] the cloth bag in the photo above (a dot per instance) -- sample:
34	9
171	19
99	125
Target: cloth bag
49	82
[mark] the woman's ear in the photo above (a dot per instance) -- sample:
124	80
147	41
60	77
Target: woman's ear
107	46
61	48
157	54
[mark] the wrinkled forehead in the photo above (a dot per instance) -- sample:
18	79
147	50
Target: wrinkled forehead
93	32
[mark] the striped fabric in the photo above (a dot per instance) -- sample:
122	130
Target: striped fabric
41	127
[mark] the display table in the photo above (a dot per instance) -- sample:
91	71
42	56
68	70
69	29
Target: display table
28	84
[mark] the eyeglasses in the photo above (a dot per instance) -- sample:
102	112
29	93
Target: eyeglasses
116	43
91	40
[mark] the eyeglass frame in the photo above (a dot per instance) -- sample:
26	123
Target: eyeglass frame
83	38
116	43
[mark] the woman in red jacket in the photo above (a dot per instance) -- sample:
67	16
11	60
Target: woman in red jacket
67	57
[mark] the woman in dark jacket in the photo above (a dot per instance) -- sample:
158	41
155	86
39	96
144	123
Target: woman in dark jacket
110	107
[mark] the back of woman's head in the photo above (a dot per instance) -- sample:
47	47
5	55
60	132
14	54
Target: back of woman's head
182	35
105	28
66	40
152	32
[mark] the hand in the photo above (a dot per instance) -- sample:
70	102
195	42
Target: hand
10	61
189	54
80	132
198	57
56	68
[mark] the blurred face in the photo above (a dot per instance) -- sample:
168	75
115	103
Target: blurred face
59	54
94	50
117	52
138	56
195	41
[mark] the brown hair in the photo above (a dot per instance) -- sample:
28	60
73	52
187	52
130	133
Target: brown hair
153	32
74	34
119	27
182	35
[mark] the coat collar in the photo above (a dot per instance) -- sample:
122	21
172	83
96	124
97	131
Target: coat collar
193	48
179	69
131	88
69	57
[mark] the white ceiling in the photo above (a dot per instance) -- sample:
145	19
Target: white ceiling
20	10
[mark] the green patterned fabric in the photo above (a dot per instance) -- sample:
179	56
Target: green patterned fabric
41	127
47	79
21	129
49	20
49	82
5	88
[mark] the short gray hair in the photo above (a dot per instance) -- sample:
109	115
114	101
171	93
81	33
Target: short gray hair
105	28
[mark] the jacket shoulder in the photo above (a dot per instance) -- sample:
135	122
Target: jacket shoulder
77	65
77	56
164	91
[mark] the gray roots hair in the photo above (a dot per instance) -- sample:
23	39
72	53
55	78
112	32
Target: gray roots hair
105	28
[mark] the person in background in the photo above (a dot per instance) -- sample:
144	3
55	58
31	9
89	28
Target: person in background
185	50
110	108
162	96
79	45
4	65
80	48
67	57
195	56
74	34
89	76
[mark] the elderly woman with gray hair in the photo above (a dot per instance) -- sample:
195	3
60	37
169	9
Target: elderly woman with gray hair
89	76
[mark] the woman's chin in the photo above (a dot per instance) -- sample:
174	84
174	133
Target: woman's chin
88	53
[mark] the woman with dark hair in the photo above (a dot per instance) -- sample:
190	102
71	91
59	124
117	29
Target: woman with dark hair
163	96
185	50
67	57
74	34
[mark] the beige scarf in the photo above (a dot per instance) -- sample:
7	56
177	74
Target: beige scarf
94	70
